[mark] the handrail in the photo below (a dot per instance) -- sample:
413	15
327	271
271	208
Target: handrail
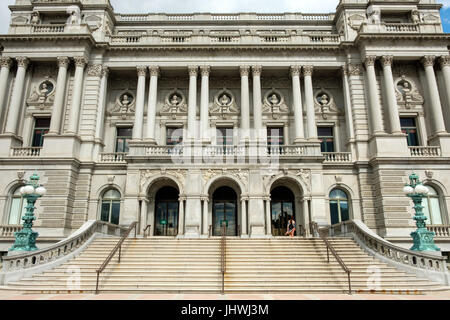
209	231
223	253
113	252
148	227
335	254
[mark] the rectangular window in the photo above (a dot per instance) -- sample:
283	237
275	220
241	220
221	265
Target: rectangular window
409	127
275	136
124	135
41	128
326	138
174	136
224	136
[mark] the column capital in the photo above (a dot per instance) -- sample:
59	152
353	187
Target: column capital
244	71
387	61
141	71
63	62
295	71
256	70
94	70
154	71
369	61
23	62
193	71
205	71
428	61
444	61
308	70
80	62
6	62
354	69
105	71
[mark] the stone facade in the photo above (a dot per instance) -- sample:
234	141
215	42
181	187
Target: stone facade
356	71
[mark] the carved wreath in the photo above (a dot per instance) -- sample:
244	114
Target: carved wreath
175	104
43	95
274	104
325	104
407	94
224	105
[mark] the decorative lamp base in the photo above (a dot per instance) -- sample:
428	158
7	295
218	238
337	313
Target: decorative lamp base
25	240
423	240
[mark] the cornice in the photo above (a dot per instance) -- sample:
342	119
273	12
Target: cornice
15	38
396	36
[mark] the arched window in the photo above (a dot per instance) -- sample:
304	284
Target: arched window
432	207
17	208
339	208
110	211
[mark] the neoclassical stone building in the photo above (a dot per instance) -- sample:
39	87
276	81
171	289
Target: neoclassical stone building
184	121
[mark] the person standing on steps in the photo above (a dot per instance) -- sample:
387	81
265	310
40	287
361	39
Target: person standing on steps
291	227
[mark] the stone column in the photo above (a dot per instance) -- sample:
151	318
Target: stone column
437	119
151	109
17	96
445	67
297	104
306	216
257	102
99	126
181	218
268	217
204	104
394	118
74	117
6	64
348	104
192	103
205	216
309	100
374	101
143	216
243	217
245	103
138	127
58	106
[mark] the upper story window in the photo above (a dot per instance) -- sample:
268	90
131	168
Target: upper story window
17	208
224	136
409	127
326	137
124	135
275	136
174	136
41	128
432	207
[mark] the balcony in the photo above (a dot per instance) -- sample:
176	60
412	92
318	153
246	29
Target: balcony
399	28
26	152
337	157
425	152
49	29
7	231
441	231
117	157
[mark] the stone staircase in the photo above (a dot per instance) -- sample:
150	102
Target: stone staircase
283	265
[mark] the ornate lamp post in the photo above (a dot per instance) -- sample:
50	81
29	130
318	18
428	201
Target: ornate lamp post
423	239
26	238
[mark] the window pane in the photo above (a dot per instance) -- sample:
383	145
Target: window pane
325	131
275	136
105	211
344	211
125	132
14	214
435	211
174	136
115	212
426	210
112	194
42	123
334	212
338	194
407	122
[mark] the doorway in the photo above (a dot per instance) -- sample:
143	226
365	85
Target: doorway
225	211
282	208
166	212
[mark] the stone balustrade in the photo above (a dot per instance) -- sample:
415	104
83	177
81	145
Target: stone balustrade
441	231
427	151
400	28
338	157
50	29
7	231
116	157
325	17
429	265
26	152
60	249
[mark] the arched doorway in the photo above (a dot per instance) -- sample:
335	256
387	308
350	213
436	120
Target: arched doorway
166	212
225	209
282	208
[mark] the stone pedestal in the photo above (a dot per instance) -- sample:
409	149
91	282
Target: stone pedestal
393	145
8	141
256	218
61	146
193	218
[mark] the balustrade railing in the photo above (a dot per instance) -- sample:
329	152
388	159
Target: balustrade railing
426	151
26	152
7	231
401	27
60	249
441	231
117	157
338	157
392	252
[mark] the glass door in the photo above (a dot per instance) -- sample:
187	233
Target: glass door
166	218
224	212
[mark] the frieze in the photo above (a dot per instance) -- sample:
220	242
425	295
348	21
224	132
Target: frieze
239	174
179	175
94	70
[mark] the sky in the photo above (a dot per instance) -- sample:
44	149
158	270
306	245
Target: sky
222	6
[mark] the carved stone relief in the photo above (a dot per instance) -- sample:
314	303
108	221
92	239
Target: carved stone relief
174	104
178	175
43	95
239	174
124	105
224	105
274	104
325	104
355	21
407	94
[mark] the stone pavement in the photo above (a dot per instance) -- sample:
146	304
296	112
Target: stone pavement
441	295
